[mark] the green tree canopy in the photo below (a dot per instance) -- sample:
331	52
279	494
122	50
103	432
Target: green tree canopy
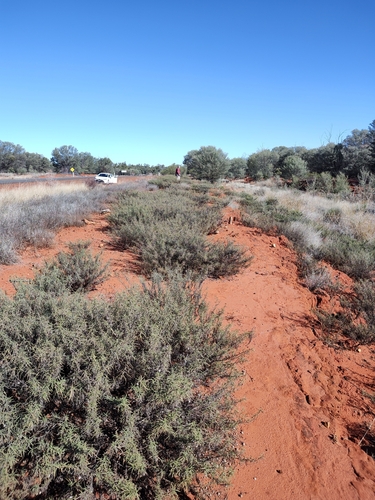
260	165
14	158
237	168
208	163
327	158
371	129
293	165
104	165
356	152
65	158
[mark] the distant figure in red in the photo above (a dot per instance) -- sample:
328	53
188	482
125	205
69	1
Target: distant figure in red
178	173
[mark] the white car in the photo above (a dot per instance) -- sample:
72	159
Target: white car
106	178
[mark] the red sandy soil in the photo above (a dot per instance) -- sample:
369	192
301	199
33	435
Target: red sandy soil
312	411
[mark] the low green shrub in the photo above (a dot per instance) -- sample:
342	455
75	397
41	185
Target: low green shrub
333	216
77	271
132	398
163	182
168	229
268	214
352	256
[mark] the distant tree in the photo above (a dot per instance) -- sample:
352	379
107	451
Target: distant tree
106	165
293	166
357	152
86	163
371	129
207	163
261	165
327	158
171	169
14	158
35	162
284	152
237	168
64	158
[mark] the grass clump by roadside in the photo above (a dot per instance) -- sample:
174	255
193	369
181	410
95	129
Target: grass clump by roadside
31	215
168	230
131	398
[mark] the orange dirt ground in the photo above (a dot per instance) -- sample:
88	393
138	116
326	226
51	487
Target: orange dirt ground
310	399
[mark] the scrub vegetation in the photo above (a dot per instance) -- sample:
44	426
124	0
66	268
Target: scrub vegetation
30	216
134	397
334	229
168	230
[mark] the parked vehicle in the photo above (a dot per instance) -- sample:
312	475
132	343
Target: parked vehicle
106	178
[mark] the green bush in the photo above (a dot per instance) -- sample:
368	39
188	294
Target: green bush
168	230
268	215
352	256
163	182
132	398
76	271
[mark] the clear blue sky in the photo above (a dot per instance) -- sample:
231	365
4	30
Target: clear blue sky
147	81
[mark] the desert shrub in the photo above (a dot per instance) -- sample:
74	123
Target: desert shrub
319	279
8	250
352	256
303	235
201	187
267	214
163	182
357	319
168	230
225	259
333	215
131	398
341	184
77	270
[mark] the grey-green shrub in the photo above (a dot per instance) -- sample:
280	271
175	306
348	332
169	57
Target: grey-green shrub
132	398
168	230
77	270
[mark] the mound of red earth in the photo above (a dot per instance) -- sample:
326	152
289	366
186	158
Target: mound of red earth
311	402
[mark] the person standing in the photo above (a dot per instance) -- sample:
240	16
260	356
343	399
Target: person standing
178	173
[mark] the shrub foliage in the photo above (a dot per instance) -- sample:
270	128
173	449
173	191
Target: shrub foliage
77	270
132	398
168	229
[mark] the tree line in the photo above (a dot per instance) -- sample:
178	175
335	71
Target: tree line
349	157
15	159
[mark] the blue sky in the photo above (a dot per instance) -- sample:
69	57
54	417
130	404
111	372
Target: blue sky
147	81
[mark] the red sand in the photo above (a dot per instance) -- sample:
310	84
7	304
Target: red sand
311	399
